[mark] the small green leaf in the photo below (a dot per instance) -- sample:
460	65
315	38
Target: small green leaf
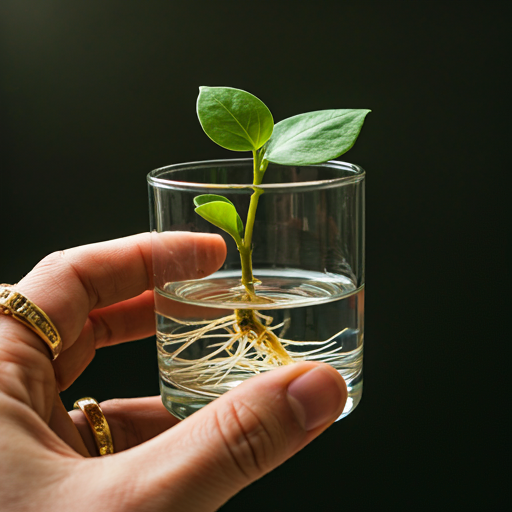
208	198
223	215
233	118
314	137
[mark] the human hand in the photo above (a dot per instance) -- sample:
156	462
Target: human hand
100	295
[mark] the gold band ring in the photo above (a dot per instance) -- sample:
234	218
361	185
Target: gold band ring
98	423
22	309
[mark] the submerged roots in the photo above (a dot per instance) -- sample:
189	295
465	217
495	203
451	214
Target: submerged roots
242	343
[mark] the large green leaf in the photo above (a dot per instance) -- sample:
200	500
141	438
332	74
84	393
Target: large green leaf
314	137
233	118
209	198
223	215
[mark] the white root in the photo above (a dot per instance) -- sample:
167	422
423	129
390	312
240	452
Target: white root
241	350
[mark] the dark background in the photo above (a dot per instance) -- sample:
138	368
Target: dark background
96	94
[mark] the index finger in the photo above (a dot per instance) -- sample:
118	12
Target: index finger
68	285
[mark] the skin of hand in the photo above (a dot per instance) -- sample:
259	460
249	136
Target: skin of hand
99	295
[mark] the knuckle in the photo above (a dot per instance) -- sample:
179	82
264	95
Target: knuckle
66	262
68	257
251	440
52	260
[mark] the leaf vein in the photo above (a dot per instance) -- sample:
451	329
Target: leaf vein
238	122
313	127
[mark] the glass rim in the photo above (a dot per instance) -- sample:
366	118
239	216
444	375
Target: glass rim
153	179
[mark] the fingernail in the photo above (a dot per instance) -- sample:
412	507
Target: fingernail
315	397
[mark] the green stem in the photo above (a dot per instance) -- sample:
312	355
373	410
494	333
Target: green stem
246	247
247	277
246	318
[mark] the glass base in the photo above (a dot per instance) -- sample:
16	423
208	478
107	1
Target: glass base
182	404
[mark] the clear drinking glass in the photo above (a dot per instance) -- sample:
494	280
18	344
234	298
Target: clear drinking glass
308	262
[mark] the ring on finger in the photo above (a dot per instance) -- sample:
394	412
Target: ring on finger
21	308
98	423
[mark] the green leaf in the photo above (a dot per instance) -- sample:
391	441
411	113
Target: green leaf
314	137
208	198
223	215
233	118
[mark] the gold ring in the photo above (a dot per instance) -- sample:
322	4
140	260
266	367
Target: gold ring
22	309
98	423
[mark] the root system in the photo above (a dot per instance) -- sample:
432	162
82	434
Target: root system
243	343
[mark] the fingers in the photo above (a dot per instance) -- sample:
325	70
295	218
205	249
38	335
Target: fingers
237	438
132	421
67	285
70	284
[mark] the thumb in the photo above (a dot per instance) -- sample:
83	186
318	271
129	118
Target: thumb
207	458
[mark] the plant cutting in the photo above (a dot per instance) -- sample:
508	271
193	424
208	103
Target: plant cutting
248	341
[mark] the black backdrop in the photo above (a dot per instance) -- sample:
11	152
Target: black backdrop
96	94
